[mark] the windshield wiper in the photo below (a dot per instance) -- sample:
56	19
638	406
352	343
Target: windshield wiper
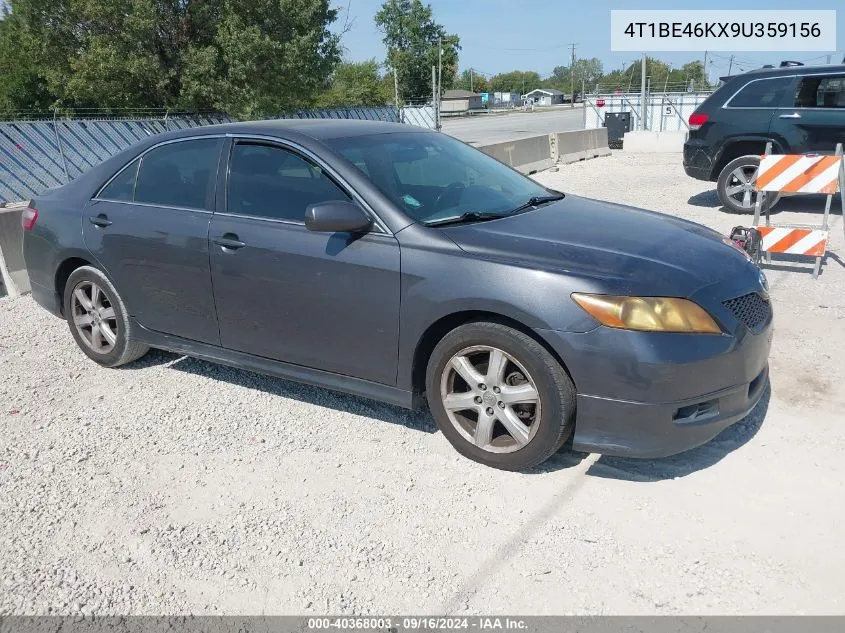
469	216
538	200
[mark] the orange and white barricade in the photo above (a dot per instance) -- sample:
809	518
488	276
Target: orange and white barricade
796	174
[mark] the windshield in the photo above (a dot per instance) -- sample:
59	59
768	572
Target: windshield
433	177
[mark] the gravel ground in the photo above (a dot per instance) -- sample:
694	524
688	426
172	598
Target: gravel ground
176	486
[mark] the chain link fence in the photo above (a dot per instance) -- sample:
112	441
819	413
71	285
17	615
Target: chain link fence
663	112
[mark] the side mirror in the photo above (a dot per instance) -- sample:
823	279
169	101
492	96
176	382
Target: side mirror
337	216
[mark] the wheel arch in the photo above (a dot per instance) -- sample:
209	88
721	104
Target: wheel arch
741	146
63	272
445	324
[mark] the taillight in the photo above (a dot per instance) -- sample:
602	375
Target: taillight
28	218
696	120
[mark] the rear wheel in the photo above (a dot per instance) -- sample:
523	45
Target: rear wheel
499	397
735	186
98	319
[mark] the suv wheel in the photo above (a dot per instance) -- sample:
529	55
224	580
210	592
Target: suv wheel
735	186
499	397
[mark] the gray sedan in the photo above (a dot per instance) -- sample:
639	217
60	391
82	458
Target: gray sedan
402	265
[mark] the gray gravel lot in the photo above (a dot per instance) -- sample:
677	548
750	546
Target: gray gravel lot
177	486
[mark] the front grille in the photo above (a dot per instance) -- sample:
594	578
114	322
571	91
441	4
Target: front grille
752	310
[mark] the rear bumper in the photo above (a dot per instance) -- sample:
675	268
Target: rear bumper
698	163
657	394
47	298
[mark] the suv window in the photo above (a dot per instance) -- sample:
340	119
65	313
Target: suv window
122	186
820	92
761	93
178	174
271	182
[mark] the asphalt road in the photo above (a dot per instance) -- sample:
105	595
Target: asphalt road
497	128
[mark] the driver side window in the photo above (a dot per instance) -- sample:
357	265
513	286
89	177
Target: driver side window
268	181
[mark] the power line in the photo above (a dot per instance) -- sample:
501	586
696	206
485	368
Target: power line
534	50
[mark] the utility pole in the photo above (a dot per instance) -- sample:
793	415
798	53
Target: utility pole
642	94
439	66
572	75
471	89
435	97
396	88
705	64
828	59
730	65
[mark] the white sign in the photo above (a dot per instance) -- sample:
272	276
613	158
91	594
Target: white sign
723	30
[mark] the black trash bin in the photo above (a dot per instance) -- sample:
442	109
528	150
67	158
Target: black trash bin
617	123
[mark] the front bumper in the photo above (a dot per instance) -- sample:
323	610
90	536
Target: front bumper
638	429
656	394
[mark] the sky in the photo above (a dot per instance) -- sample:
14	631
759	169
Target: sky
502	35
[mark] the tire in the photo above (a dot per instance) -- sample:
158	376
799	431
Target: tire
525	363
107	313
729	177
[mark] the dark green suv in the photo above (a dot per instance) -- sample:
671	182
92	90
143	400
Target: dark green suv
800	109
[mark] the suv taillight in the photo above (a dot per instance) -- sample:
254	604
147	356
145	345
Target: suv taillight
696	120
28	218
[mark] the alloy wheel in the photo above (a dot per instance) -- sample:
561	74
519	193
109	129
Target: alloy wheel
94	317
740	186
491	399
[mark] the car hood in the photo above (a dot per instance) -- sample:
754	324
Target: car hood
628	250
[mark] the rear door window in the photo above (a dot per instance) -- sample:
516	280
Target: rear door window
761	93
820	92
179	174
122	185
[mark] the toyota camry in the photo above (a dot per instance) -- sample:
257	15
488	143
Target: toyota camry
400	264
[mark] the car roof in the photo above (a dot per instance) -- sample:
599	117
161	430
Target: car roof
319	129
789	71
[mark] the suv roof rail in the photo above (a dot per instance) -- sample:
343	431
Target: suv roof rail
787	63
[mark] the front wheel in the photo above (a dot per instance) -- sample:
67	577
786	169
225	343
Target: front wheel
735	186
499	397
98	319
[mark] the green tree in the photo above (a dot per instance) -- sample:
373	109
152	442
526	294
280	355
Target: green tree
695	75
21	86
629	78
245	57
356	84
520	81
471	80
411	37
587	70
559	79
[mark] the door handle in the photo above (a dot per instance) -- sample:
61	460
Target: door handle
794	115
229	241
101	220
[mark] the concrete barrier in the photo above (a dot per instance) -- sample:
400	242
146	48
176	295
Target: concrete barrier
570	147
526	154
646	142
12	266
529	155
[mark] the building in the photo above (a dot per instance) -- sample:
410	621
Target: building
544	97
458	101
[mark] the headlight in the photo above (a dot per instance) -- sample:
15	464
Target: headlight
648	314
